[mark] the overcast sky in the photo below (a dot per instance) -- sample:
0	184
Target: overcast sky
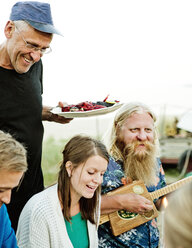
132	50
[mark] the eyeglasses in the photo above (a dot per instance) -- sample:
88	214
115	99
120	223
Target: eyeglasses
32	47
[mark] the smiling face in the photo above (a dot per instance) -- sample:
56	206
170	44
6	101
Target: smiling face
8	181
87	177
20	57
136	138
139	127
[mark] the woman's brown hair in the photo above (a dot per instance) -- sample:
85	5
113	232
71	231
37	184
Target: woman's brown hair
78	150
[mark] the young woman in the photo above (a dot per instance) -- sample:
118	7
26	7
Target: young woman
67	214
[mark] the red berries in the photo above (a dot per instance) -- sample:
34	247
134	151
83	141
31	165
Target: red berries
83	106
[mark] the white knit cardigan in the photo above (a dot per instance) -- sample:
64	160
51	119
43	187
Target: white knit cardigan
41	223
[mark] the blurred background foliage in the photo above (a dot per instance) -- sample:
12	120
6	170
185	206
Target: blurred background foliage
51	159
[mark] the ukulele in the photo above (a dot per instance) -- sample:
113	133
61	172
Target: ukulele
122	220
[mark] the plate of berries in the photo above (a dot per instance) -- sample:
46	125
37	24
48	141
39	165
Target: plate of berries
86	109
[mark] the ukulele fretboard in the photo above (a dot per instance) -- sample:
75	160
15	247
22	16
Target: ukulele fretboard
167	189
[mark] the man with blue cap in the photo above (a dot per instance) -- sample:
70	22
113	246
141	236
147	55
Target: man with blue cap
28	33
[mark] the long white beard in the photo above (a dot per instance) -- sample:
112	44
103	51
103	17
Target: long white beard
140	163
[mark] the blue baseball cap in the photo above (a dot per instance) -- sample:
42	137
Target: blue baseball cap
37	14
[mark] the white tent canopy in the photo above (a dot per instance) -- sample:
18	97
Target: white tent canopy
186	121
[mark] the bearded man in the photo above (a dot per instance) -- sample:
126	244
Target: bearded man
133	145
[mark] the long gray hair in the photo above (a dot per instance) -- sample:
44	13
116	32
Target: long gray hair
111	137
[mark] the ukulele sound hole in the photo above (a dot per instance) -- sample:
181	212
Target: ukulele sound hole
149	214
126	215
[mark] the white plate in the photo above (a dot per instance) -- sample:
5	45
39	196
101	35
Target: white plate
94	112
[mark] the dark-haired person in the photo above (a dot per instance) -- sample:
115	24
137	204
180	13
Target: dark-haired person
67	214
13	165
28	33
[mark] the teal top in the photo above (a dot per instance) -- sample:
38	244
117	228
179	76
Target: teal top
78	232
